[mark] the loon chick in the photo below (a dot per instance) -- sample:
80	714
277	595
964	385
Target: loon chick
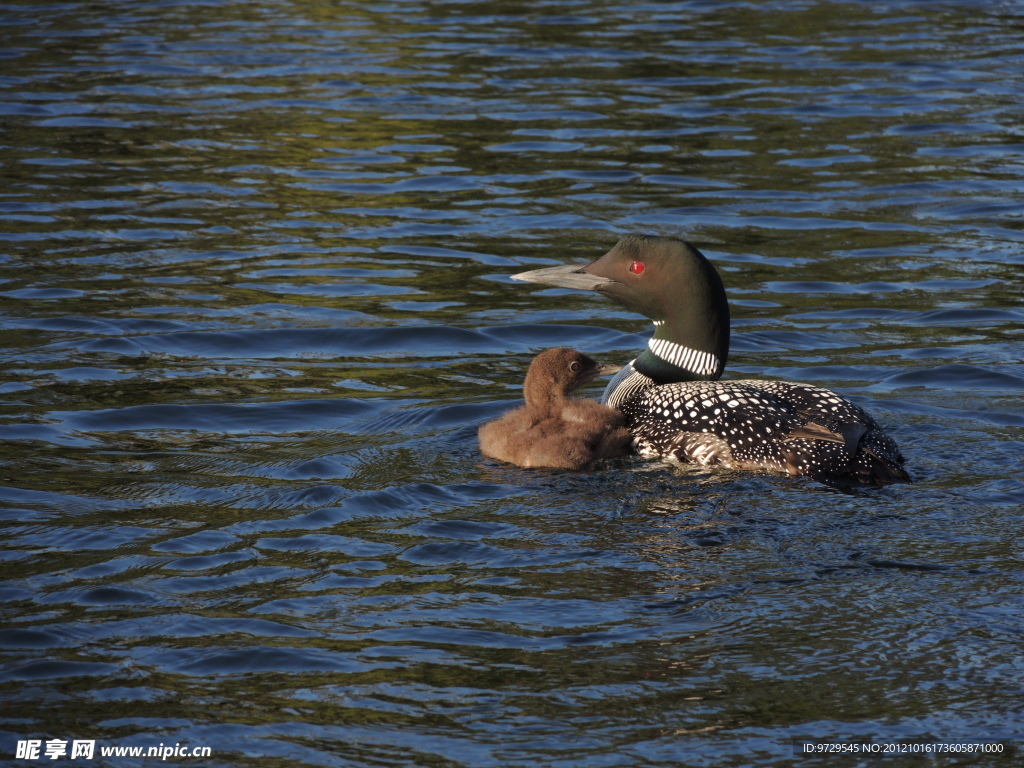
553	430
670	395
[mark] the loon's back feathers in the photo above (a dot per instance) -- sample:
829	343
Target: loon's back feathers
552	430
779	426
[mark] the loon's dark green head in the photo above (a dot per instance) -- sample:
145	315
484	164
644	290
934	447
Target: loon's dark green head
672	283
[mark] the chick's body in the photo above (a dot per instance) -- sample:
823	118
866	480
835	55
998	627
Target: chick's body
552	430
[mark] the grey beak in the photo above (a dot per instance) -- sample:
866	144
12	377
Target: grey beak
601	370
569	276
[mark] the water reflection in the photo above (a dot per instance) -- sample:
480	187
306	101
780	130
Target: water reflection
255	304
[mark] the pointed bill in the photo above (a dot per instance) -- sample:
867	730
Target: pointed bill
568	276
599	370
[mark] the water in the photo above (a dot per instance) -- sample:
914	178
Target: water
256	304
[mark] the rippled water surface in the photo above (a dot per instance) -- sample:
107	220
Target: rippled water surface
255	301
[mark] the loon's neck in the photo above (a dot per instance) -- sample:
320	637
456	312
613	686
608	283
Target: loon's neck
681	351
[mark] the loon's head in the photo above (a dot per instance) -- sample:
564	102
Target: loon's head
673	284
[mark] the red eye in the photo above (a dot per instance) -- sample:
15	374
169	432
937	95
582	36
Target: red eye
637	267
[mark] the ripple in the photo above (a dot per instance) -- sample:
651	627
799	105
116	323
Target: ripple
257	659
201	541
43	670
437	341
42	294
320	542
220	418
958	377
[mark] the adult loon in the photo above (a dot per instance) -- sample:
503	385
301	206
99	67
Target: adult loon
552	430
672	399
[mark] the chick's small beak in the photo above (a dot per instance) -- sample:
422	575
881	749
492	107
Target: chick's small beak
567	276
598	371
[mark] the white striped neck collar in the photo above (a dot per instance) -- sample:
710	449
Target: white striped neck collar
704	364
667	360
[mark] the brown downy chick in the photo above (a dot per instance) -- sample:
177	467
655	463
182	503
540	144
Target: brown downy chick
552	430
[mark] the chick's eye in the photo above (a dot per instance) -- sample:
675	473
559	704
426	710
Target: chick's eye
574	366
637	267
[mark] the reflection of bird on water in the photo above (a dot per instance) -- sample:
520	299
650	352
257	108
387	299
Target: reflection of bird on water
552	430
670	395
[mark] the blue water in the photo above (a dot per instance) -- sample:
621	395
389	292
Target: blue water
255	293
